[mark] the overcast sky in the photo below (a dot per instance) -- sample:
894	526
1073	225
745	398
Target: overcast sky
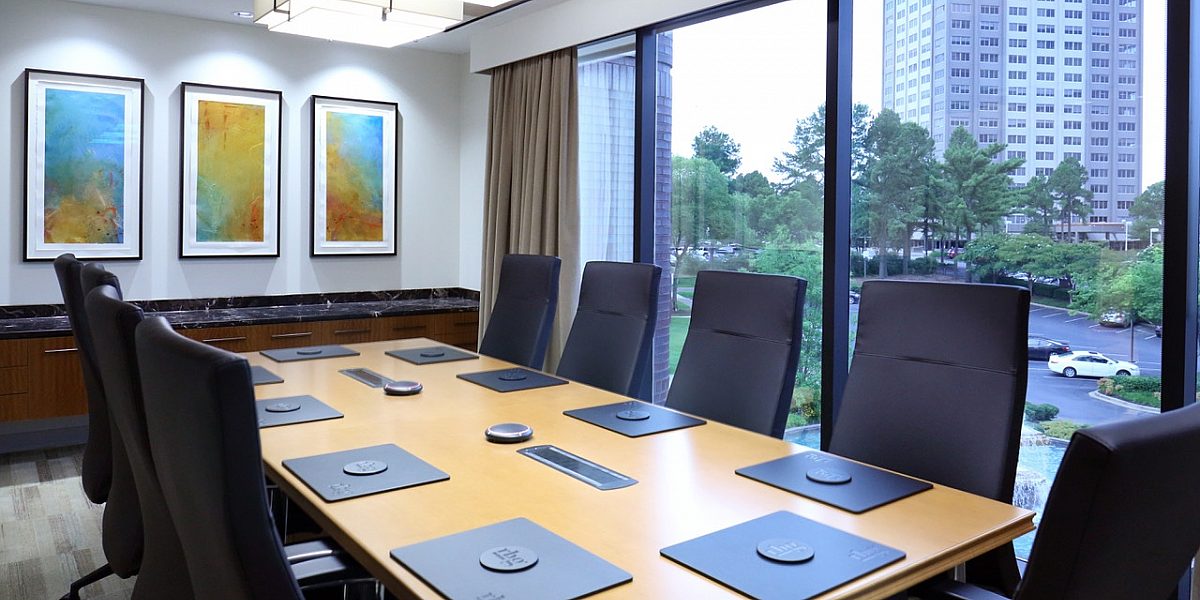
753	74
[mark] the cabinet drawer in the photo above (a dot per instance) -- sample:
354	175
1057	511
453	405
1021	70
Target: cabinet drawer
399	328
349	331
286	335
464	324
233	339
14	407
56	380
14	353
13	380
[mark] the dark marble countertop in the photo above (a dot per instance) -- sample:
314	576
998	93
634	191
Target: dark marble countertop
50	320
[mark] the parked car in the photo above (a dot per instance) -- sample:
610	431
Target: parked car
853	297
1043	348
1089	364
952	252
1158	330
1114	318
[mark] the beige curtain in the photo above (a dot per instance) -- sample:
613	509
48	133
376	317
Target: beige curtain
532	203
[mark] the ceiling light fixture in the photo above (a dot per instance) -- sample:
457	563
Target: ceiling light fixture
372	22
243	14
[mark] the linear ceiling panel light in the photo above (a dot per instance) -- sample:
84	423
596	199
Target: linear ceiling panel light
386	23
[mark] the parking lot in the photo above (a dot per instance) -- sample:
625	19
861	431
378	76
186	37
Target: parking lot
1072	395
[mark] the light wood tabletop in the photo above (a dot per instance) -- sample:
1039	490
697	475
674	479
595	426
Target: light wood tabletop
686	481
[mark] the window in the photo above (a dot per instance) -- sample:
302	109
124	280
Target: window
960	56
1016	139
1045	12
1044	124
960	105
1071	46
1017	107
989	9
1099	15
1017	75
989	90
1046	44
1127	79
989	57
1045	28
1045	108
1072	124
1072	140
1045	60
960	72
989	74
1045	76
1045	140
1018	11
1098	173
1126	173
1018	43
1098	157
1045	92
1018	27
989	105
960	24
1017	59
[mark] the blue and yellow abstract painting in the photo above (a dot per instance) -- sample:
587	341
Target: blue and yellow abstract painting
84	185
354	177
230	138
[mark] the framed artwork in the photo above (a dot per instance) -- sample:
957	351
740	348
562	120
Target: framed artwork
229	171
83	165
354	149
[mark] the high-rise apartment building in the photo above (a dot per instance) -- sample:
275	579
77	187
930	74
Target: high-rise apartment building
1051	79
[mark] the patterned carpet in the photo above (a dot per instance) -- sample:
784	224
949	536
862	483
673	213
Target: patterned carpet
49	532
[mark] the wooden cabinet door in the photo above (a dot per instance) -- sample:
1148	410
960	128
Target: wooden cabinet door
56	379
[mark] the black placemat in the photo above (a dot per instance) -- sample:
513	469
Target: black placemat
803	474
736	556
634	418
261	376
293	409
431	354
512	380
326	473
307	353
453	564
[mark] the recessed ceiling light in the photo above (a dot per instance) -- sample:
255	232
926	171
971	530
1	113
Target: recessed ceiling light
243	14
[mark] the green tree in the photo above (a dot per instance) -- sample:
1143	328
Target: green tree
898	175
1068	186
977	182
804	260
701	207
1038	206
718	147
753	183
1147	213
806	159
982	256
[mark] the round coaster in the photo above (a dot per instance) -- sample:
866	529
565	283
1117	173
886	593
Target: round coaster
508	433
309	352
633	415
282	407
785	550
827	476
433	353
513	375
365	467
402	388
508	559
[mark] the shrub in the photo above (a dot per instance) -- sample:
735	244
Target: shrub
1062	430
1137	384
1040	412
806	406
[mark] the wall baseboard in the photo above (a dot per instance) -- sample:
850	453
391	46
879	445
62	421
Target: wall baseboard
22	436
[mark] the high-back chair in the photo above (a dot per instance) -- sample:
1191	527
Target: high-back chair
96	472
105	473
203	432
936	390
518	329
738	363
163	571
1120	521
612	335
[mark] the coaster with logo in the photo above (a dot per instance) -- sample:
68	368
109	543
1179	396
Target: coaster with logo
834	480
782	555
512	380
634	418
362	471
511	559
307	353
293	409
431	355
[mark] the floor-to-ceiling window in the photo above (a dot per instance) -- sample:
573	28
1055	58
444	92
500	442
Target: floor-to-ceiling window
1062	103
739	171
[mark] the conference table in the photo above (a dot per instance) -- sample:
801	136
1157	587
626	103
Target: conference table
686	482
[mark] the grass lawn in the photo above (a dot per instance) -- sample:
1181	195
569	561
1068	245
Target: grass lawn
1143	398
679	327
687	293
686	281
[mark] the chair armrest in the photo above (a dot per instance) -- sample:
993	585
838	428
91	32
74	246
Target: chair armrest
305	551
947	589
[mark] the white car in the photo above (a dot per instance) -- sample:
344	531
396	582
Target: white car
1089	364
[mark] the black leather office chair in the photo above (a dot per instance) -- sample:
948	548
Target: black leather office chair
738	364
936	390
613	332
96	472
1120	522
203	433
105	471
163	571
518	329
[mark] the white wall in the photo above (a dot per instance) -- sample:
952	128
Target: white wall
166	50
569	24
476	92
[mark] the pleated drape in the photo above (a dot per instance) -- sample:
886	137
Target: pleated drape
532	202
